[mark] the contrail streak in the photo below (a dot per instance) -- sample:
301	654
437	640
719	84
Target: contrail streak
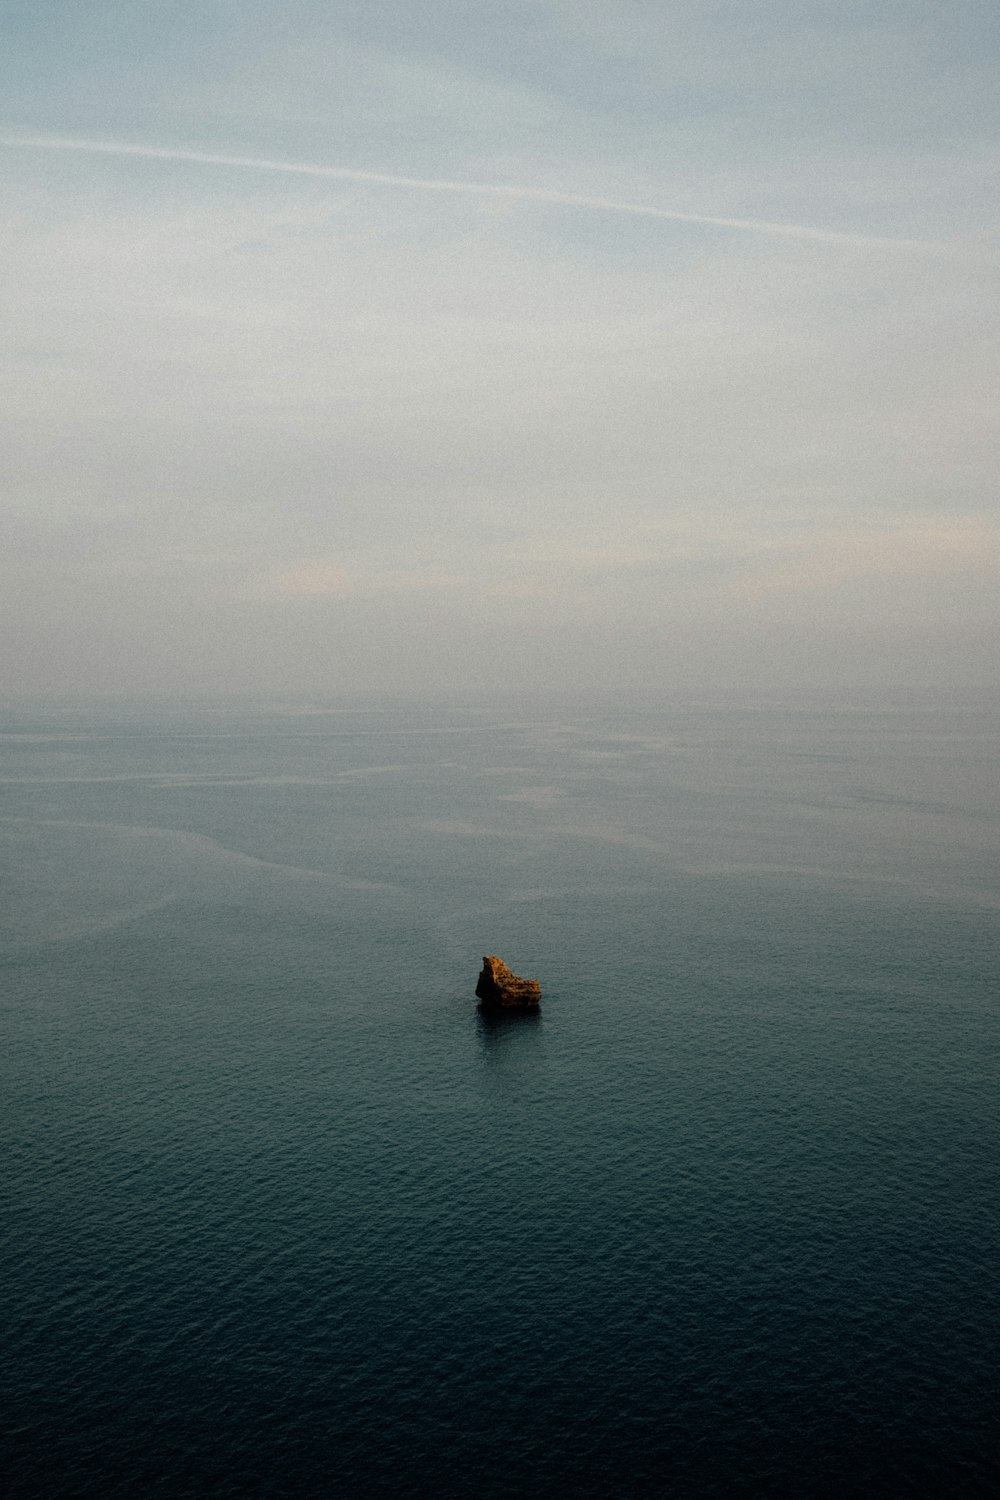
449	185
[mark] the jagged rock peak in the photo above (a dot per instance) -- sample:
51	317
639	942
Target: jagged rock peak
498	986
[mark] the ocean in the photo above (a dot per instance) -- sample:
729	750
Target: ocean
284	1214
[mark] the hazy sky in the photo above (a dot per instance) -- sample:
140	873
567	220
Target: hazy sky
432	345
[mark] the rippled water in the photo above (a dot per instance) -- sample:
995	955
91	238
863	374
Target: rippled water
285	1215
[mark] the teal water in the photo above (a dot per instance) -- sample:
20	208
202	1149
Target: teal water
284	1215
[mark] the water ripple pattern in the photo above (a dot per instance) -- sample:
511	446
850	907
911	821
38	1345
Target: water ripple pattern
284	1215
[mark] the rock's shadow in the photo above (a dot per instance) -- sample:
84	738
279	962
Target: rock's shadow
498	1028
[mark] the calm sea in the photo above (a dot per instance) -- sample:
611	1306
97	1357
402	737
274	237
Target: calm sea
284	1215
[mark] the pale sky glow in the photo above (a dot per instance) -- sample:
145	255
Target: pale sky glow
443	349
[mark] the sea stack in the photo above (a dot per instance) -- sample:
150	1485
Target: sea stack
499	989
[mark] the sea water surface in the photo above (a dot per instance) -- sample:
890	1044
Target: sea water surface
285	1215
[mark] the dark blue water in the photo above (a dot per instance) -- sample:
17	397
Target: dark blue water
284	1215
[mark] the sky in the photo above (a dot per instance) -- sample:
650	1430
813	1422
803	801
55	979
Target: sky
375	347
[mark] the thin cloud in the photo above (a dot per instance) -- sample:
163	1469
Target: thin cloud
449	185
313	580
320	580
915	551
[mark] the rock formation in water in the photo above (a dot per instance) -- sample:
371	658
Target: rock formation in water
499	988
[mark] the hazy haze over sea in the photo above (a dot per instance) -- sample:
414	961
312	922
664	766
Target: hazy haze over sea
448	348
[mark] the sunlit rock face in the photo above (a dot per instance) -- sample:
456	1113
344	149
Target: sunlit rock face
498	987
